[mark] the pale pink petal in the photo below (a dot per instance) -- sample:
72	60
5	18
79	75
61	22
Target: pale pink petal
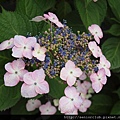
27	53
59	24
39	52
31	42
32	104
63	74
66	105
28	91
52	110
46	16
38	18
83	76
77	101
70	92
82	109
80	87
4	45
97	86
87	103
9	68
71	80
77	72
69	65
11	79
41	57
87	84
42	88
99	52
17	52
18	64
93	77
45	107
97	39
52	15
39	75
22	73
37	103
74	112
107	72
19	40
28	79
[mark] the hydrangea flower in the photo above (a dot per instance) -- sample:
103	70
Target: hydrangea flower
32	104
34	84
96	51
104	63
39	52
98	80
47	109
15	72
85	105
53	18
96	31
70	72
70	102
23	46
7	44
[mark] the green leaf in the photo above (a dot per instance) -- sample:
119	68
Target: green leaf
114	30
28	7
57	87
101	104
45	4
117	92
5	57
91	12
111	49
63	8
9	96
12	23
75	23
20	108
116	109
114	4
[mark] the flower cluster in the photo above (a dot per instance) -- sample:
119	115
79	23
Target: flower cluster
58	52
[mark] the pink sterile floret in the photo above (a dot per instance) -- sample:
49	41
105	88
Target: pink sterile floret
70	72
38	18
104	63
70	102
47	109
7	44
39	52
23	46
96	51
96	31
34	84
85	105
53	18
98	80
15	72
32	104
